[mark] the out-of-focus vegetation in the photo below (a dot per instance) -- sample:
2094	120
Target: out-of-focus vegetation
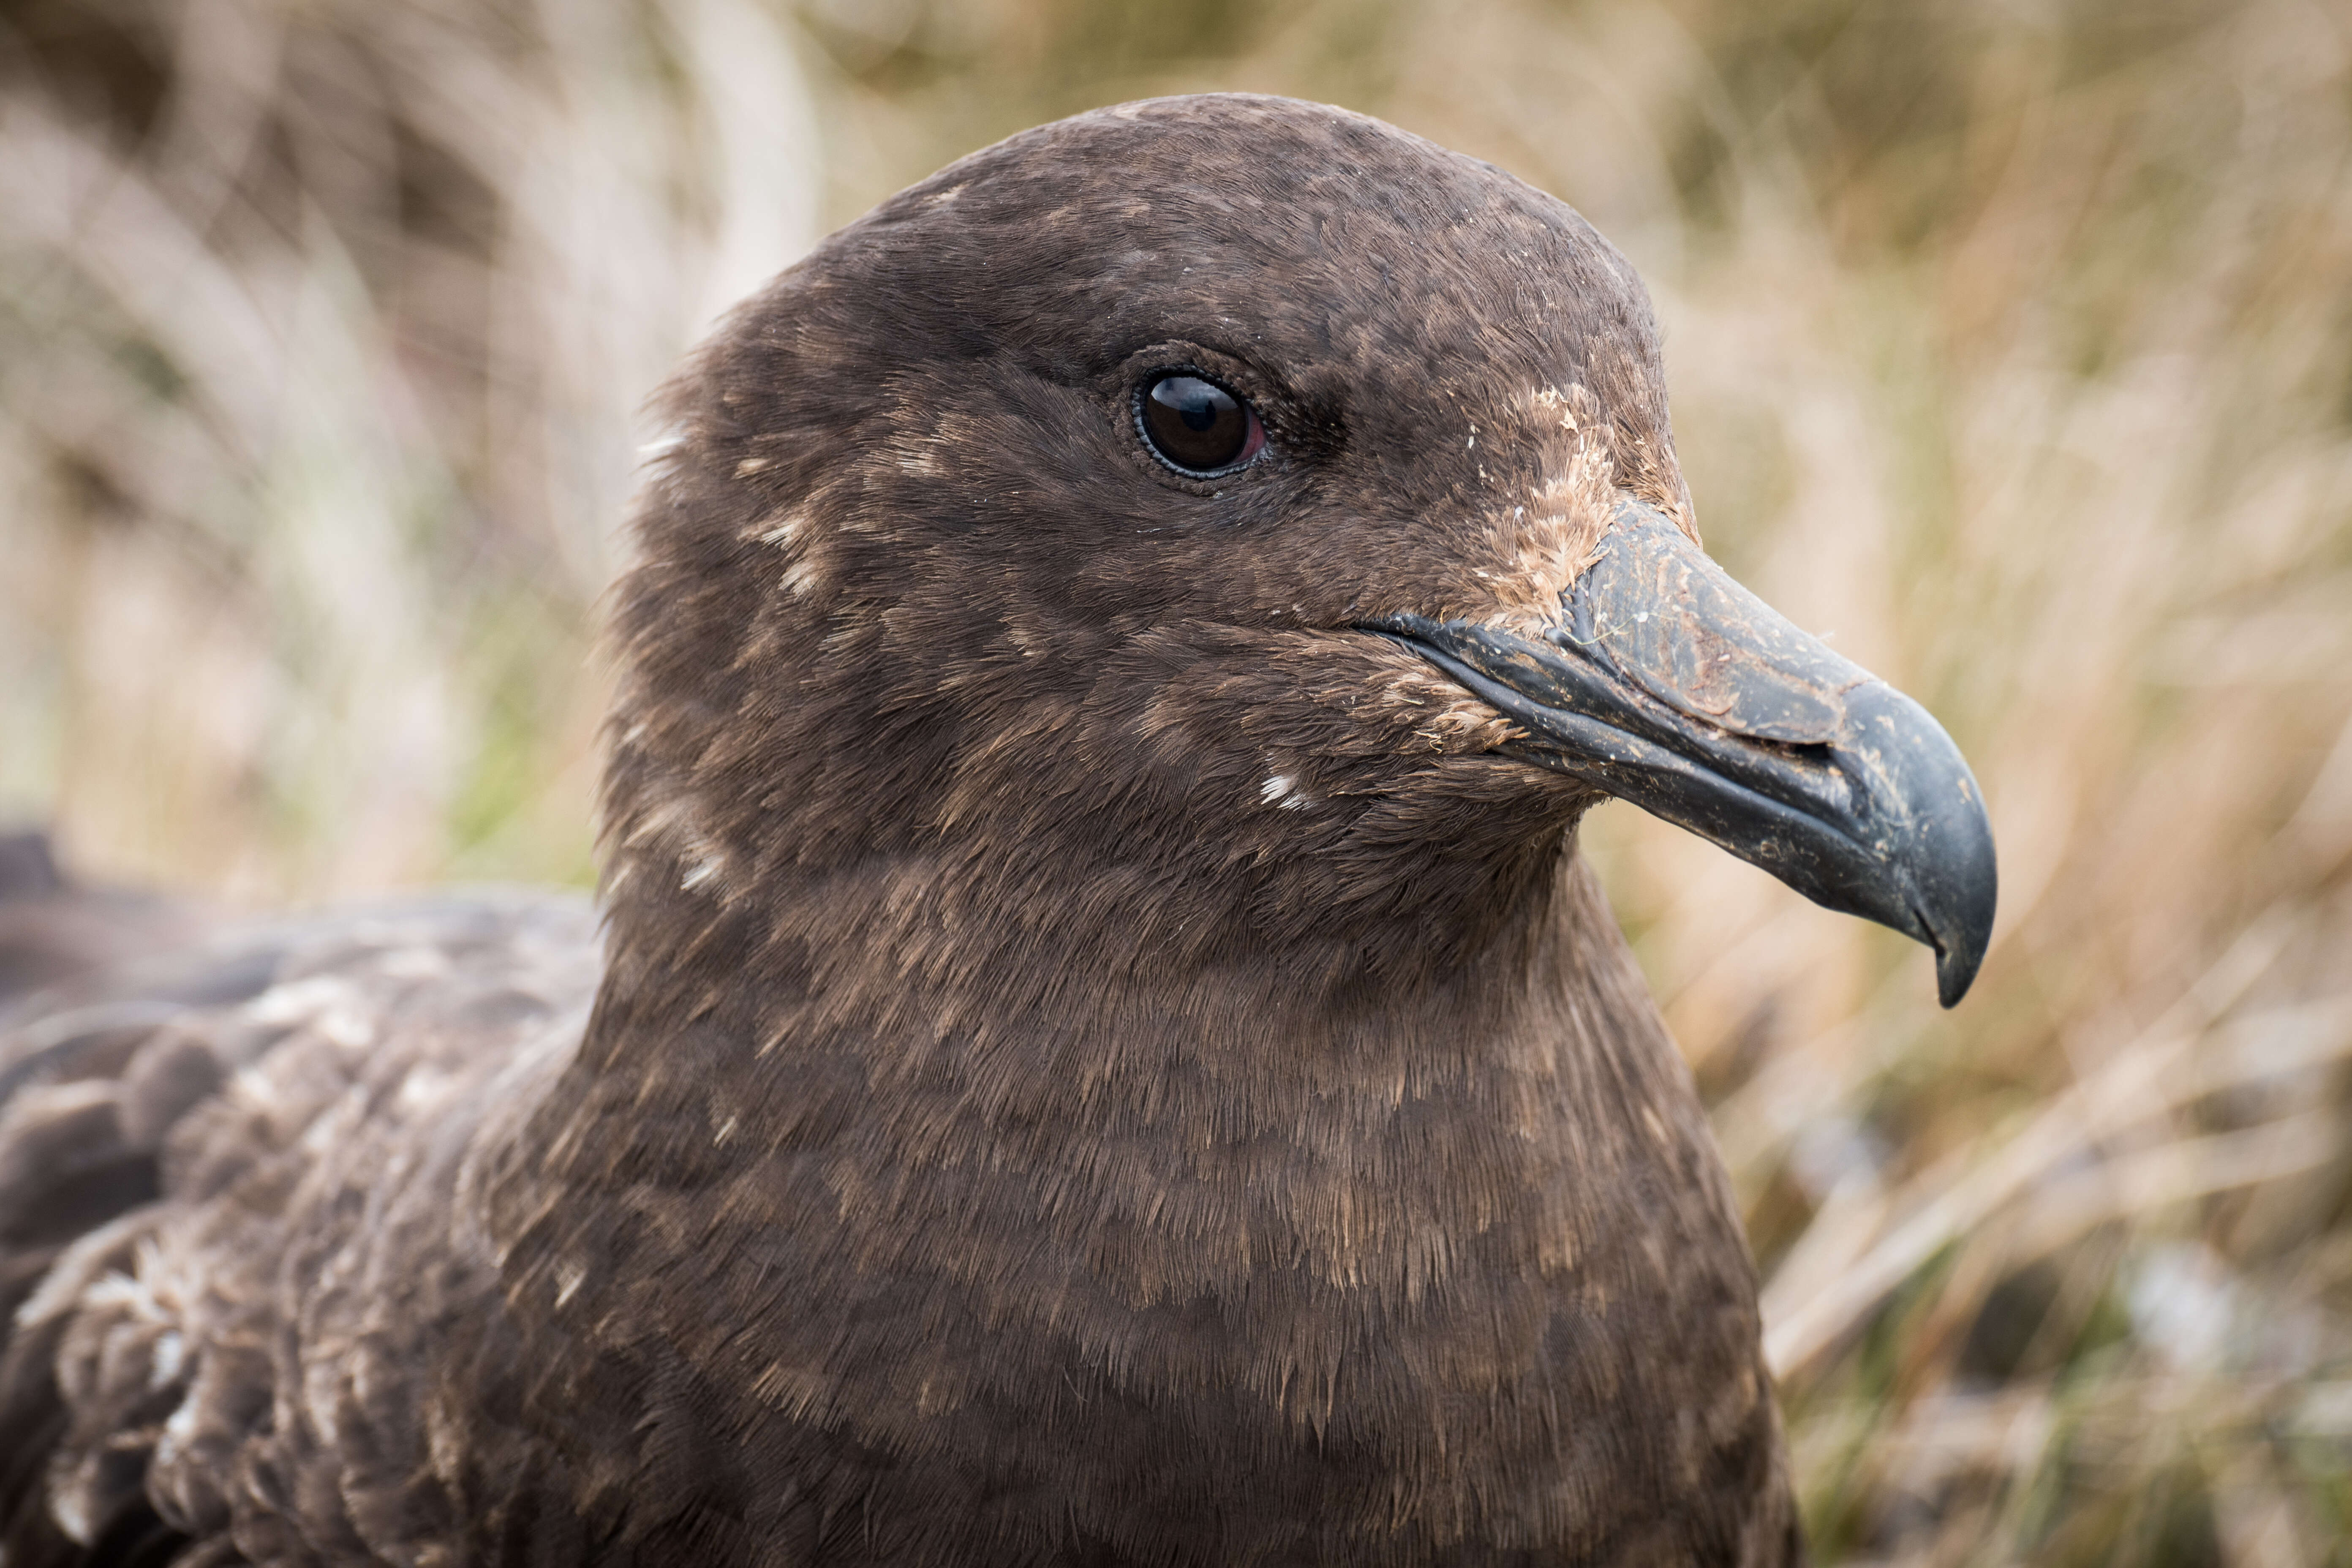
2011	342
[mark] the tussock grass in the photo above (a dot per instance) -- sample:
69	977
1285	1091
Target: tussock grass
2012	344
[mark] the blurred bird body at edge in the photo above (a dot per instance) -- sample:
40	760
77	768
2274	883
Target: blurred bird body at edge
2009	347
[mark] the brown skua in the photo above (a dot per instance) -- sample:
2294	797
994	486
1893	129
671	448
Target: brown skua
1101	1049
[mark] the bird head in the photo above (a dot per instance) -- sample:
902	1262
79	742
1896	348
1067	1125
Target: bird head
1238	524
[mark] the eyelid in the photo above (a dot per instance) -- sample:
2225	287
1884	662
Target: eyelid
1255	442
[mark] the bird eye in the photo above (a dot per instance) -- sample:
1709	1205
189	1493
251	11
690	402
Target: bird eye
1196	426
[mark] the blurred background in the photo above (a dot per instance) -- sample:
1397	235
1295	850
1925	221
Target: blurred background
2010	343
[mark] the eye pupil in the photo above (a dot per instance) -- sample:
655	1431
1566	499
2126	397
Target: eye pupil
1197	427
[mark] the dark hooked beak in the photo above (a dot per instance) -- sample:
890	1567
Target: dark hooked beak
1666	683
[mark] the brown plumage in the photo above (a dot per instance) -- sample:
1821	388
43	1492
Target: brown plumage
1102	1051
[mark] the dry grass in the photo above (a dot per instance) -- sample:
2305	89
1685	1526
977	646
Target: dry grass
2013	344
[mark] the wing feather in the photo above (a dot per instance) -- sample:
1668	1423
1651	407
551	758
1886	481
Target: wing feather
230	1226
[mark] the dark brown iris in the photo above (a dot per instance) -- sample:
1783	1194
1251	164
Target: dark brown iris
1198	427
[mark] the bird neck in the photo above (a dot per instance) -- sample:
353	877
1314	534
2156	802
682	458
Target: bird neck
1036	971
1168	1212
1092	1058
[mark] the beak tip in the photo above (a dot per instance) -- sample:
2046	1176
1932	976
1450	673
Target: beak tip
1956	970
1960	925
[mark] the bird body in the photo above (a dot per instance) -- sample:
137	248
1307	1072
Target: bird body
1102	1050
